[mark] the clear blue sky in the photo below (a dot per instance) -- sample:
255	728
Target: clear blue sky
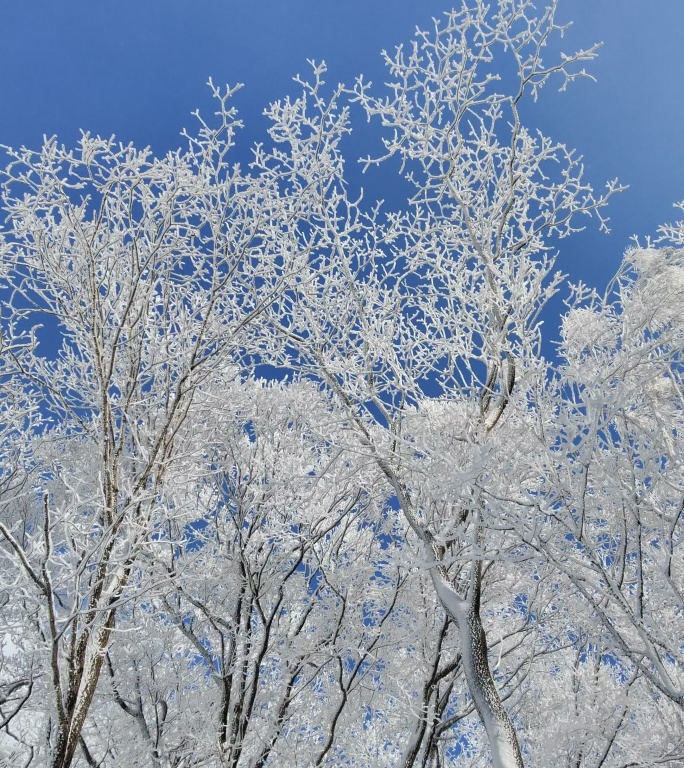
137	68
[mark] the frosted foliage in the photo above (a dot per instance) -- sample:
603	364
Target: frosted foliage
286	481
585	331
648	261
659	286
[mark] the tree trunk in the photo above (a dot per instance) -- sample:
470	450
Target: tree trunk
503	741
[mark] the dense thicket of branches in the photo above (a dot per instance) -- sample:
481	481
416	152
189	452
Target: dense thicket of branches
416	542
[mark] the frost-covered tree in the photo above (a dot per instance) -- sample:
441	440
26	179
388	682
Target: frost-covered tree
613	496
423	325
143	274
411	542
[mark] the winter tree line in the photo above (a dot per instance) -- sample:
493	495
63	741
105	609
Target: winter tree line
286	480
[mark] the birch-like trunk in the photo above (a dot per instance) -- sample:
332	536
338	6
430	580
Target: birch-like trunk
72	724
503	741
501	735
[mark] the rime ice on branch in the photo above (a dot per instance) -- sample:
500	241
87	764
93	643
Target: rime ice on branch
423	544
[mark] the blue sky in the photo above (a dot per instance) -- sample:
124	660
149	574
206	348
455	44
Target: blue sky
137	68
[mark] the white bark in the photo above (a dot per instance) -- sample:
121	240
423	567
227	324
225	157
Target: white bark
503	741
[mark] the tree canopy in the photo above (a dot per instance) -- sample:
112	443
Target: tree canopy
286	479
